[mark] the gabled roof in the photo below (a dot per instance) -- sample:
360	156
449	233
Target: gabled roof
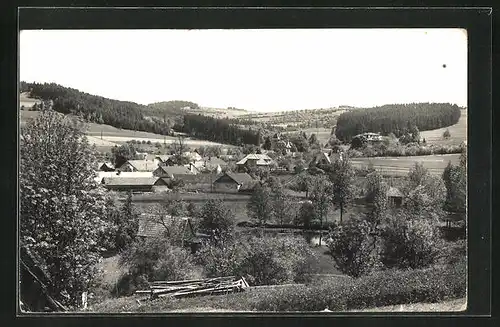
394	192
150	225
129	181
143	165
262	159
175	170
163	157
239	178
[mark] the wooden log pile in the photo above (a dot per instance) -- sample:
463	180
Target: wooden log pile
195	287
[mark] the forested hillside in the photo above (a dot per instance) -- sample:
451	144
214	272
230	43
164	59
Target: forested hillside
396	118
218	130
96	109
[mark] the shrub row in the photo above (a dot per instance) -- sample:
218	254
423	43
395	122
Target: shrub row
390	287
405	151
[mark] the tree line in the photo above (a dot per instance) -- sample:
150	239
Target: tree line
96	109
218	130
397	119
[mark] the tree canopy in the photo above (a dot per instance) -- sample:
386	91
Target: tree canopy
396	118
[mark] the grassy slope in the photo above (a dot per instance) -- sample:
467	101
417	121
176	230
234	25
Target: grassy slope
458	133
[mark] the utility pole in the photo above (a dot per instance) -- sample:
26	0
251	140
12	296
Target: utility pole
101	134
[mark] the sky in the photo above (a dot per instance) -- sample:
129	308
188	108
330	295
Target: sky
260	70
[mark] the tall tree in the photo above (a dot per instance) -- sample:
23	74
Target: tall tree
376	195
342	177
216	218
281	204
260	207
321	199
62	207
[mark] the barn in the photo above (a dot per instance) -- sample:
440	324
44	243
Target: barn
233	182
135	184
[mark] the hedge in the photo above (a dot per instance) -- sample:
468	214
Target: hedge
384	288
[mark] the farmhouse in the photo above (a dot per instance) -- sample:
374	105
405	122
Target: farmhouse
171	171
210	164
255	160
234	182
139	184
139	165
192	156
395	197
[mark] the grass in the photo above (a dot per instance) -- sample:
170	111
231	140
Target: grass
401	165
458	133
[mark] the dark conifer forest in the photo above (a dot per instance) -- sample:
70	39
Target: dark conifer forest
97	109
396	118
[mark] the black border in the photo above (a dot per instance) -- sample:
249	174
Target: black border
477	21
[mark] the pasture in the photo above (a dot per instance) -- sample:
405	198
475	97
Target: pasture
458	133
397	166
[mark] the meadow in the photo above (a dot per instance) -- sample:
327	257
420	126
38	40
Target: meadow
401	165
458	133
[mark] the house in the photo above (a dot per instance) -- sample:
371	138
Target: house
395	197
192	156
105	166
360	139
140	184
210	165
193	168
321	158
152	226
234	182
163	158
171	171
139	165
280	143
255	160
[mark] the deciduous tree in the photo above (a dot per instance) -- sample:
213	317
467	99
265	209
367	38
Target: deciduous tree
63	210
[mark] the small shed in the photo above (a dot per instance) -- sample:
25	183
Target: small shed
395	197
106	166
171	171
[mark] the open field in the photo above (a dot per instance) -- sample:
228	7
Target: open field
458	133
401	165
323	134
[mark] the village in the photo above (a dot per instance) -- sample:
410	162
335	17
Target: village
330	200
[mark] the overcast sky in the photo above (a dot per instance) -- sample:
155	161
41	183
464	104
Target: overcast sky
263	70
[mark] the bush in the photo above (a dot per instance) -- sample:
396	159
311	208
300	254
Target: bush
261	260
353	247
153	259
446	134
410	243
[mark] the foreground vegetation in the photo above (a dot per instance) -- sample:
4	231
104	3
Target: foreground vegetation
384	288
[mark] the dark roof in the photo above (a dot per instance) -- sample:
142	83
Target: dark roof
239	178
